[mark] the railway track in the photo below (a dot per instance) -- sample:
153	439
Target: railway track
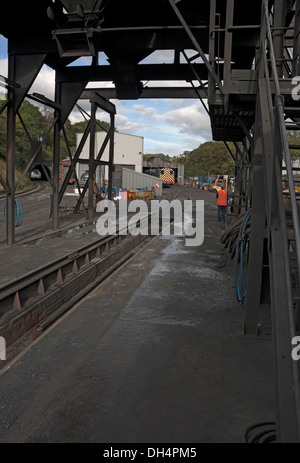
36	219
182	195
35	300
32	302
177	192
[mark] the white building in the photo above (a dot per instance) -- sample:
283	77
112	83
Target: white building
128	152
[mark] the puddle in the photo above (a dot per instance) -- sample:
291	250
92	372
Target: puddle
84	225
174	250
159	269
203	272
162	321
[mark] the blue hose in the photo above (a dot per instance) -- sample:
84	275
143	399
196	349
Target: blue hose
18	213
239	268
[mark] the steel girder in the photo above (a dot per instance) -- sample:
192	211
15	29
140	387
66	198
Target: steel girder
22	70
272	244
238	97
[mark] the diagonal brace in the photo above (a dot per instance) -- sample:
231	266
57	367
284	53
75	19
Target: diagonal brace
197	46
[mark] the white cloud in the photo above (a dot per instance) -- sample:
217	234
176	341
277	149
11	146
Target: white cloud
124	124
191	120
167	57
179	103
45	83
184	117
169	126
159	56
3	67
169	83
155	146
101	85
141	109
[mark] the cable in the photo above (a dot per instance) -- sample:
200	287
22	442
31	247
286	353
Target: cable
231	234
261	433
18	213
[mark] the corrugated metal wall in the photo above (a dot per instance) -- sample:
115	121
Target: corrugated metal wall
133	179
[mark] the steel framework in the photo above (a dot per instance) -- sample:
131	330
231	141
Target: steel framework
245	58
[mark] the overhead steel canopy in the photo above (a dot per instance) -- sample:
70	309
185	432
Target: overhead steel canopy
127	32
244	57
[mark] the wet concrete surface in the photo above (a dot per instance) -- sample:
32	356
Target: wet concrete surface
155	354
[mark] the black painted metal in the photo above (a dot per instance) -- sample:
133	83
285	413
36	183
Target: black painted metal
243	82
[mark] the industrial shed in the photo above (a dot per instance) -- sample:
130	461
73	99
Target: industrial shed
128	152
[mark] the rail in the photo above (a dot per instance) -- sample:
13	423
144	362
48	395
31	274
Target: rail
42	295
38	298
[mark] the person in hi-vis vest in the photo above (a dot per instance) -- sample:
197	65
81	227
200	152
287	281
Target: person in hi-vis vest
222	203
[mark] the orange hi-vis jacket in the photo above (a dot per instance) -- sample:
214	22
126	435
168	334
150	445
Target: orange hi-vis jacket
222	198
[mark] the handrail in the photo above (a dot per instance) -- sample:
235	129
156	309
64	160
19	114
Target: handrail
279	106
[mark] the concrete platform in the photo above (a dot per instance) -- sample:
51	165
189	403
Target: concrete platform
155	354
42	250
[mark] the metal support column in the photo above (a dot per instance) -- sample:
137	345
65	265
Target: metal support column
228	50
236	204
296	51
278	34
92	159
10	158
257	239
111	154
212	50
22	71
283	323
56	161
240	198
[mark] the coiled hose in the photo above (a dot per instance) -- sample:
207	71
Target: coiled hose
235	239
18	213
230	236
261	433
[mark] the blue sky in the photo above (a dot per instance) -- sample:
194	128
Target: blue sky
167	126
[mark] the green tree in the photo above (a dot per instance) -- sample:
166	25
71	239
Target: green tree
80	127
47	137
31	117
210	158
294	139
71	140
34	125
158	155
